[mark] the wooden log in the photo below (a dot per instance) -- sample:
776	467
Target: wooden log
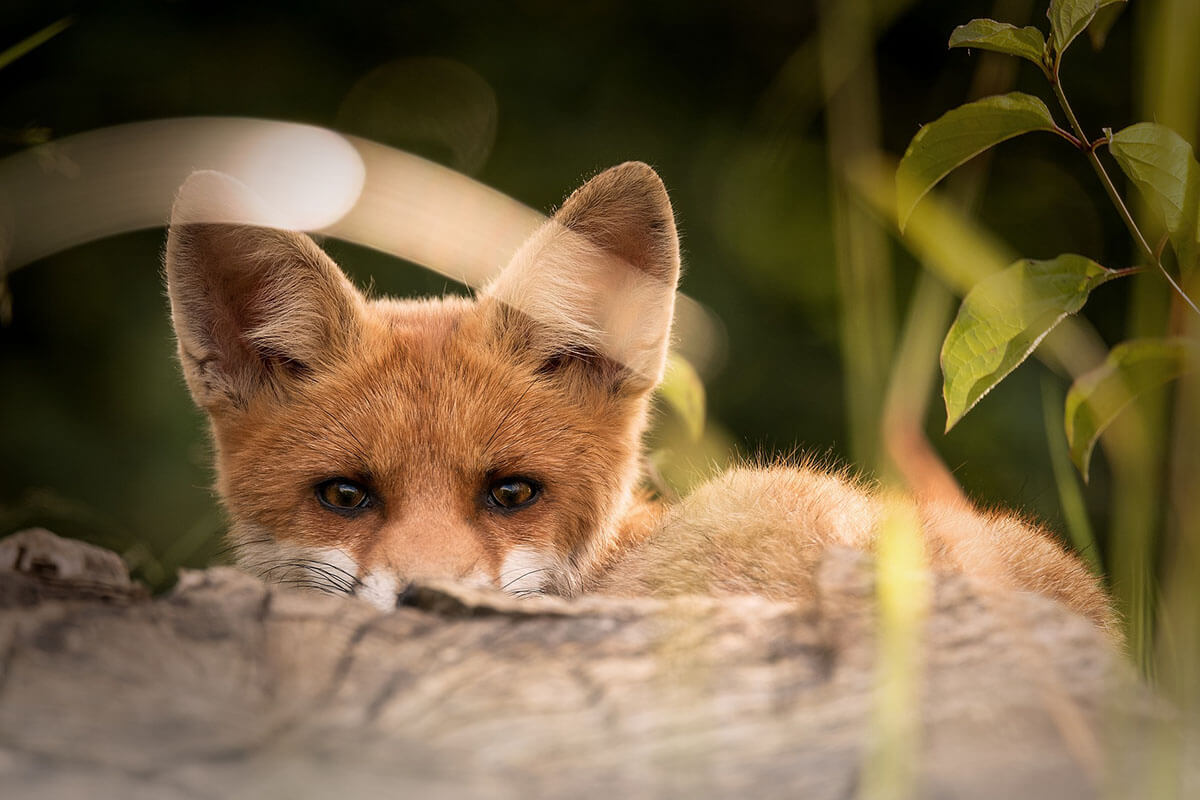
227	687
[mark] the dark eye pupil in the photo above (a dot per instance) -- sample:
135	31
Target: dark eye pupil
342	494
512	493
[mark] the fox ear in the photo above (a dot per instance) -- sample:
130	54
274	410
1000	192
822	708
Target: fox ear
599	277
253	307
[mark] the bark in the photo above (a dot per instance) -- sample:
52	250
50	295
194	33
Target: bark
227	687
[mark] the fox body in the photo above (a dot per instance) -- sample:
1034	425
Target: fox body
364	443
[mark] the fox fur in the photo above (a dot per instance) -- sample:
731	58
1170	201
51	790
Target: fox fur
428	408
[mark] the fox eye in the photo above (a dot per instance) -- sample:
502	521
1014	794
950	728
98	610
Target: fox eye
512	493
343	495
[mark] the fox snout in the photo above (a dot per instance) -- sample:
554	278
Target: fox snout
399	556
523	571
419	548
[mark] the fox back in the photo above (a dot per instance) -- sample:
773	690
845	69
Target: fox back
364	443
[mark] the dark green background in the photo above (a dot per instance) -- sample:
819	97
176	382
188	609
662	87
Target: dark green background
97	434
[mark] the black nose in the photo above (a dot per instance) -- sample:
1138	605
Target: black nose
410	596
441	600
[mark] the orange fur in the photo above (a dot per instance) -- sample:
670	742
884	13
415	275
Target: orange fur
545	377
762	530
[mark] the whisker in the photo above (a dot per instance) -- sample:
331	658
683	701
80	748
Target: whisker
303	584
267	568
263	570
310	574
319	567
315	568
522	577
508	572
350	576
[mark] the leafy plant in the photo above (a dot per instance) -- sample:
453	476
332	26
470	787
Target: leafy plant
1003	318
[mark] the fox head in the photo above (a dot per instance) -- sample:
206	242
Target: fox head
361	443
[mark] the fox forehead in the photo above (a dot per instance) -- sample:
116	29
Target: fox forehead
426	411
424	387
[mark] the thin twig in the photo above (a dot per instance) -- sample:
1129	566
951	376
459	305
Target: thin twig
1111	189
1125	271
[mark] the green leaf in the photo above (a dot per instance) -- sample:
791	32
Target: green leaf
1068	18
1133	367
1161	164
1002	320
987	34
958	136
683	390
1102	23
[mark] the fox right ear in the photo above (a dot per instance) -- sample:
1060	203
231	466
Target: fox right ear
598	278
254	308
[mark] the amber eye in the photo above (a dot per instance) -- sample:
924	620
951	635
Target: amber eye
512	492
343	494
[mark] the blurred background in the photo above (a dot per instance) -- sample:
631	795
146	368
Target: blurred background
776	127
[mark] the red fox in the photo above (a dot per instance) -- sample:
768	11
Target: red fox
362	443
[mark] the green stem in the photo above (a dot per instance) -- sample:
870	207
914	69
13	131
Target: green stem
36	40
1113	195
1102	174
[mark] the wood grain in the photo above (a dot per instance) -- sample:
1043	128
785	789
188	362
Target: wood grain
227	687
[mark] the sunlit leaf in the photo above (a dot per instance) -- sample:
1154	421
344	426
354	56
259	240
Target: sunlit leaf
683	391
1163	167
1002	320
1068	18
1132	367
958	136
1102	23
987	34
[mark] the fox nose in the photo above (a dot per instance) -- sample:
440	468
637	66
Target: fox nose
386	590
419	547
426	598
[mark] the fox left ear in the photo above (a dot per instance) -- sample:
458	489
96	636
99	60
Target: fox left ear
599	277
255	307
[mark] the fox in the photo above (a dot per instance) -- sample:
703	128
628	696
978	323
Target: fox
364	443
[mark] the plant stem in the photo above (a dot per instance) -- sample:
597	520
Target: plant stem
1126	271
1102	174
1113	195
36	40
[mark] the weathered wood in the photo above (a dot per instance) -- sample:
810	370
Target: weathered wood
227	687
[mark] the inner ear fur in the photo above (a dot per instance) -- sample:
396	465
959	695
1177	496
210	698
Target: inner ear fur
625	211
521	338
254	309
597	280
